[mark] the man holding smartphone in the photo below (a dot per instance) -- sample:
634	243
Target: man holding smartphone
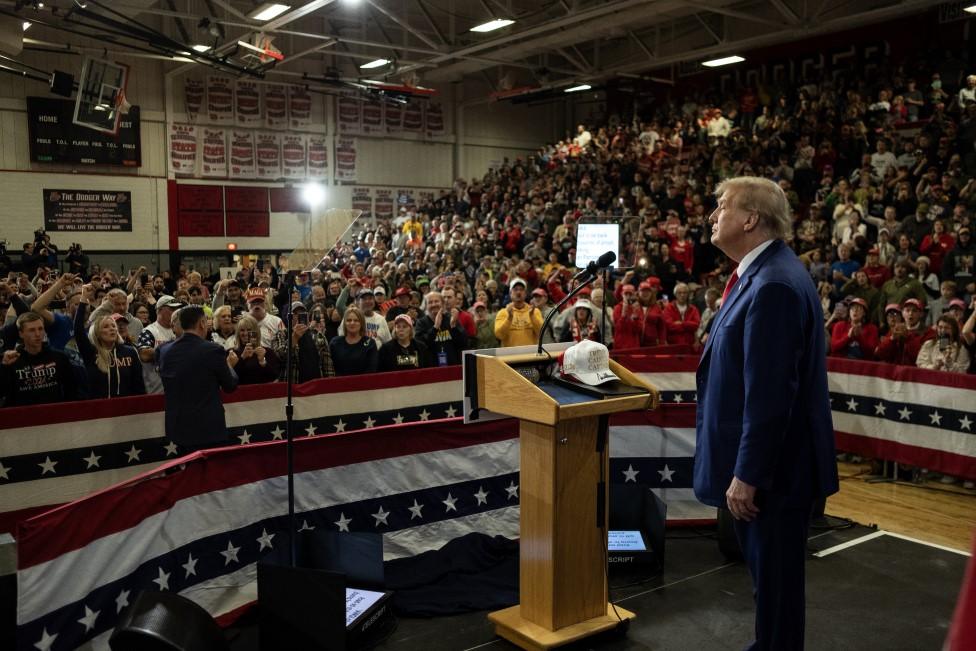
311	357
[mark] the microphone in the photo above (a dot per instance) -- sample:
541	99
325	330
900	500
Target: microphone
602	262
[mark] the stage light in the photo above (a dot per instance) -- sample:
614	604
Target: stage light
492	25
313	194
970	9
231	246
575	89
378	63
268	10
201	48
714	63
27	25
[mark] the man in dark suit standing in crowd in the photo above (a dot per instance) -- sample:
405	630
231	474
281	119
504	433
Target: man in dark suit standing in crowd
765	441
193	370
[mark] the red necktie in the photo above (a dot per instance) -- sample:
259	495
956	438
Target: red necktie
733	279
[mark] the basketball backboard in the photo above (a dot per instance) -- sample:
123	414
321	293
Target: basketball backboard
101	95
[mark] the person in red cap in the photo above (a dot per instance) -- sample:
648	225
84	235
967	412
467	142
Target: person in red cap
902	344
877	273
403	352
654	331
855	338
628	319
936	245
540	301
402	305
681	317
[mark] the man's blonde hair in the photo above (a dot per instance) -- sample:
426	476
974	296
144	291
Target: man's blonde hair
765	197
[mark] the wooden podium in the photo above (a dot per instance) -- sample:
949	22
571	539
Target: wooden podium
563	496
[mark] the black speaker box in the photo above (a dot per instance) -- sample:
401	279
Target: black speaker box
62	83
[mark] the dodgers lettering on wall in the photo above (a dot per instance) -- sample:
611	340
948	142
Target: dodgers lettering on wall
87	210
54	138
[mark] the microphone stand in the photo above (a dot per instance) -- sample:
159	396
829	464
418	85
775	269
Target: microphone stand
588	280
603	310
289	418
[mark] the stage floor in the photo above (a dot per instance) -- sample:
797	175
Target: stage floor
866	589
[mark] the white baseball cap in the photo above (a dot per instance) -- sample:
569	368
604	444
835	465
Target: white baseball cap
587	362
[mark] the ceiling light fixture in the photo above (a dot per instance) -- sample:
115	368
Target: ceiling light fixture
27	25
492	25
970	9
378	63
714	63
268	10
201	48
575	89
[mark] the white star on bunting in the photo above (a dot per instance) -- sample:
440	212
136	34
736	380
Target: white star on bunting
88	621
450	411
904	413
190	566
936	418
3	471
121	601
340	426
630	474
398	419
310	430
133	454
415	510
512	490
91	460
46	640
306	527
852	404
965	423
424	415
343	522
381	516
265	540
170	448
677	397
276	433
244	438
879	409
481	496
666	473
162	580
449	503
230	554
369	422
48	466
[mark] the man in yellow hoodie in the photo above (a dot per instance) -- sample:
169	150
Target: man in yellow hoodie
518	323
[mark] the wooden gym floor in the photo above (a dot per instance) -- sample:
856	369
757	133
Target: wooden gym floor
931	511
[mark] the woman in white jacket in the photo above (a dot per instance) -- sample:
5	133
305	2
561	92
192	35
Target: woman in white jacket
945	352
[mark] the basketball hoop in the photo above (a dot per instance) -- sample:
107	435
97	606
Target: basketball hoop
121	103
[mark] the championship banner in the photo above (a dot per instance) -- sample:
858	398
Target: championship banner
87	210
193	95
372	117
349	115
405	199
393	117
214	153
243	162
384	203
413	117
268	152
276	106
318	157
248	103
345	160
220	99
362	200
294	160
299	108
435	119
183	149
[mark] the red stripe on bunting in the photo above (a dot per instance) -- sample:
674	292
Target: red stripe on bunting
641	363
901	373
123	506
948	463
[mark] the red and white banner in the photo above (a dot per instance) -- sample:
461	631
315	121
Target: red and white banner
268	152
220	99
372	117
183	149
243	161
299	108
248	103
345	160
193	94
294	160
413	117
214	153
384	202
393	117
276	106
435	119
349	115
362	200
405	198
318	157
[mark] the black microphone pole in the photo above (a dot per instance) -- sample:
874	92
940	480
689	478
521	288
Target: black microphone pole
289	417
603	310
576	290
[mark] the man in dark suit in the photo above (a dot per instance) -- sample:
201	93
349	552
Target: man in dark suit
193	370
765	441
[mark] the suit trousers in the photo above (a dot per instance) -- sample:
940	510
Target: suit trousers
774	547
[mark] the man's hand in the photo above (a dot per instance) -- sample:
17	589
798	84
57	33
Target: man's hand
247	352
231	359
10	357
297	332
454	316
740	499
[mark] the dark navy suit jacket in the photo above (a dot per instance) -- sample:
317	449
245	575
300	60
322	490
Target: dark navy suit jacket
763	407
193	370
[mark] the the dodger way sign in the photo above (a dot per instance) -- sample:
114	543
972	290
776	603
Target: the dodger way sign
87	210
54	138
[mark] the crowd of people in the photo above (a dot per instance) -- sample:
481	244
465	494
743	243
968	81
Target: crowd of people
879	175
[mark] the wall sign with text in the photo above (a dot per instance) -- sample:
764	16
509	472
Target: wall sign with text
87	210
